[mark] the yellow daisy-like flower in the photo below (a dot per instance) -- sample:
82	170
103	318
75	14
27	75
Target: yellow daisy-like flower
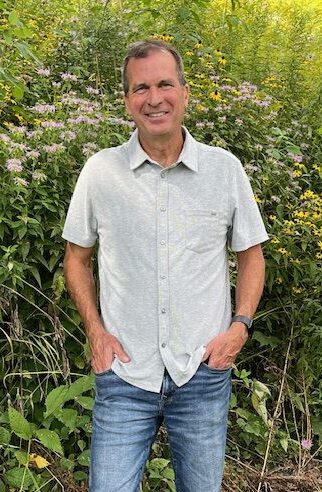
279	280
283	251
275	240
215	96
200	107
257	199
319	256
297	290
295	261
189	53
222	60
296	174
198	45
272	217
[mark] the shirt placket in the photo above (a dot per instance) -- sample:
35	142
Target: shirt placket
163	253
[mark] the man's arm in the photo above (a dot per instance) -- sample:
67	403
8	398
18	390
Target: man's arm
81	287
224	348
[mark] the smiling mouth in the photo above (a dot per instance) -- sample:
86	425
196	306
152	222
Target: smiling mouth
156	115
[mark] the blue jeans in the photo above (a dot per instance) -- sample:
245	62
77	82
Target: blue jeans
126	420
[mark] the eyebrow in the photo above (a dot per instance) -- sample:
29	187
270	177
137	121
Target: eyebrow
162	82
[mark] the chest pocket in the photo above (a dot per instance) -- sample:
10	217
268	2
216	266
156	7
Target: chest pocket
201	229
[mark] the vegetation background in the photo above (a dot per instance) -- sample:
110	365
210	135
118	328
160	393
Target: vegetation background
254	67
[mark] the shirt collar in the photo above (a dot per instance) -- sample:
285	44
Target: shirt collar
188	155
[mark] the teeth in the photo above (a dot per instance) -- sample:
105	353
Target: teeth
156	115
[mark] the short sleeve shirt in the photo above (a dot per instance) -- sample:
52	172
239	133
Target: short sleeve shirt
163	237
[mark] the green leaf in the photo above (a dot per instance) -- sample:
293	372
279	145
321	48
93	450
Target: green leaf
19	478
80	475
22	457
4	436
13	18
81	385
50	440
18	92
284	443
86	402
2	486
55	399
18	424
260	407
26	52
265	340
68	417
84	458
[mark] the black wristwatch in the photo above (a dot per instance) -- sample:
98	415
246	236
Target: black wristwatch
248	322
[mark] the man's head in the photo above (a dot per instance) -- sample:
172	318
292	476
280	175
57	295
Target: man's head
155	91
141	49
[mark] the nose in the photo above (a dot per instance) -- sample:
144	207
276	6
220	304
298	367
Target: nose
154	97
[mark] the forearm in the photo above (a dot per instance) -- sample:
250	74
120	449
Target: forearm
250	281
81	287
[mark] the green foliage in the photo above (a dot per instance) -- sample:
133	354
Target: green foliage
254	74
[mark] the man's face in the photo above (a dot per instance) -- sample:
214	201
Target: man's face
156	100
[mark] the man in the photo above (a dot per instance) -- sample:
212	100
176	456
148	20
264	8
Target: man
163	208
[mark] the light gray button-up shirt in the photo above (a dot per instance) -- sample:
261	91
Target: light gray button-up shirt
163	235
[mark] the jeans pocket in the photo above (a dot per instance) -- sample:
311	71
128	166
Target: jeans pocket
99	374
216	369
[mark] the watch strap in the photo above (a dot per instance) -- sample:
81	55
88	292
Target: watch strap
248	322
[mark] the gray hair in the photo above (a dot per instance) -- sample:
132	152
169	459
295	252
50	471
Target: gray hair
141	49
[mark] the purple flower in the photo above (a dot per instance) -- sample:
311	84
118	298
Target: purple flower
68	135
89	148
44	108
5	138
91	90
14	165
33	154
20	181
54	148
69	76
295	157
39	176
43	71
306	443
52	124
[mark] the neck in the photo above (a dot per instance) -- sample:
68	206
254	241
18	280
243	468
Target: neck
163	149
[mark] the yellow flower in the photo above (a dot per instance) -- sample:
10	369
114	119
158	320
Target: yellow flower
279	280
275	240
189	53
297	290
319	256
296	174
272	217
215	96
222	60
198	45
295	261
257	199
283	251
307	195
320	244
200	107
38	460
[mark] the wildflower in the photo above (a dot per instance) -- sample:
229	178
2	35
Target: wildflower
20	181
52	124
39	176
44	108
296	290
295	157
222	119
56	84
198	44
319	256
222	60
33	154
306	443
283	251
43	71
68	135
272	217
14	165
89	148
5	138
279	280
239	121
257	199
307	194
91	90
275	240
297	174
69	76
215	96
54	148
189	53
200	124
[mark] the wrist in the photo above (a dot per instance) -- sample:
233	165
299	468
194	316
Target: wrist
244	320
240	328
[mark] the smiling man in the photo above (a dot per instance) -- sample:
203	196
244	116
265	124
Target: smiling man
164	208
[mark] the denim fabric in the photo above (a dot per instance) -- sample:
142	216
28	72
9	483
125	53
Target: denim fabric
126	420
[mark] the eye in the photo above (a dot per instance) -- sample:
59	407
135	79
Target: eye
140	90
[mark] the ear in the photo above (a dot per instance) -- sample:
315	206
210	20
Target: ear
127	105
186	95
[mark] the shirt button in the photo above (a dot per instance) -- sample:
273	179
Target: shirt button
162	242
163	277
163	209
163	345
163	310
163	175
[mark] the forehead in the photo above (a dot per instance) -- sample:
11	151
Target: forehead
157	65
